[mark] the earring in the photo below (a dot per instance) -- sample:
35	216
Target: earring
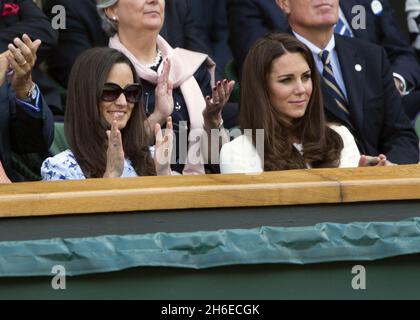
114	18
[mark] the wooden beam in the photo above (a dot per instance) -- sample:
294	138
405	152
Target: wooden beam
293	187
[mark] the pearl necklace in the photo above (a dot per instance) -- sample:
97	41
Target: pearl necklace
155	62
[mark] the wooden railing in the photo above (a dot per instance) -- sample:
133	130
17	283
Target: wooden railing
294	187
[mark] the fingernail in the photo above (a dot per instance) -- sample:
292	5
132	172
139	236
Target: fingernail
225	81
214	88
218	83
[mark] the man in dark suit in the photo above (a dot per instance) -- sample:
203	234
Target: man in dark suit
84	31
23	16
358	86
26	123
251	19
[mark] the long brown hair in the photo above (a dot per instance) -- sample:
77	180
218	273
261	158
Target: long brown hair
85	127
322	145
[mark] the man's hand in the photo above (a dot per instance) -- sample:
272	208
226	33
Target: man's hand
22	59
4	66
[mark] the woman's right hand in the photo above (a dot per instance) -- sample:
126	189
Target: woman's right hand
115	153
164	101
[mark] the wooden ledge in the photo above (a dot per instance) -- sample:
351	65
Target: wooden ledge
294	187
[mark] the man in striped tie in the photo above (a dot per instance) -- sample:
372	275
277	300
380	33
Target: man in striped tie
26	123
370	20
358	86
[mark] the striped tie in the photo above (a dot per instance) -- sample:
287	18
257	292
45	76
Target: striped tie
332	87
341	29
3	175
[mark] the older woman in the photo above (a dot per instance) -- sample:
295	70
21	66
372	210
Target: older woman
281	96
104	123
134	26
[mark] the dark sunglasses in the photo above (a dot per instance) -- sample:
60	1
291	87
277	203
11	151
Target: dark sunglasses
112	91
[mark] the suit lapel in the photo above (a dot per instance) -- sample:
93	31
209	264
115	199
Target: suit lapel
353	68
346	7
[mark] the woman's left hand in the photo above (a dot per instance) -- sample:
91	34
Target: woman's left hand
214	105
4	66
163	149
379	161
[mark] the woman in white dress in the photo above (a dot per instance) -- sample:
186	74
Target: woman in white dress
281	115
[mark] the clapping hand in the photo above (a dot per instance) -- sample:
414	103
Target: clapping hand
164	101
114	153
214	104
163	148
22	58
4	66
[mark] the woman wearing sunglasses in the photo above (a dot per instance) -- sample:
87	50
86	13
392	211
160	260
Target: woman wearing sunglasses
134	28
105	123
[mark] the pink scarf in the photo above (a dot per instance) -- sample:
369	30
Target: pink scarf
184	64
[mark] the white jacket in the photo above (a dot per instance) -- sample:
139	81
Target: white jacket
240	155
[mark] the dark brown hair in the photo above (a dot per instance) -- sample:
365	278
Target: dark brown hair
85	127
322	145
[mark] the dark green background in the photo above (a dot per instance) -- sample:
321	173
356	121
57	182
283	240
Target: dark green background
394	278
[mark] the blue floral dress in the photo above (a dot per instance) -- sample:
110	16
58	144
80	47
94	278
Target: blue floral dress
63	166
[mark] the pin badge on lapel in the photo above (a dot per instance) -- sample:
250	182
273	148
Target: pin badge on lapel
358	67
376	7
